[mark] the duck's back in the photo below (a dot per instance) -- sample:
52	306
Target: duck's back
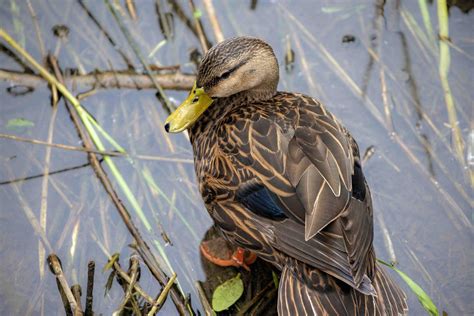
282	177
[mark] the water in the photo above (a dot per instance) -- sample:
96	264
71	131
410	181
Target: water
421	192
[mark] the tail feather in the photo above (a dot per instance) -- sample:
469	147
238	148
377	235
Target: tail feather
389	295
325	295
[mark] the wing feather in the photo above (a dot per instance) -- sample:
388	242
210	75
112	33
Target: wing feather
306	159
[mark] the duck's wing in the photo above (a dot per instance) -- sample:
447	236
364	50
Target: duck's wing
303	161
307	291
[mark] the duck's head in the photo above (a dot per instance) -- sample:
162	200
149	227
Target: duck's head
243	66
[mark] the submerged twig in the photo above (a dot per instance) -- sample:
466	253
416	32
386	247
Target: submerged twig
36	176
126	59
94	151
386	105
30	215
37	29
386	238
45	182
310	78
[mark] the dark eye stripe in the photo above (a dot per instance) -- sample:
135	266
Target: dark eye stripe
226	74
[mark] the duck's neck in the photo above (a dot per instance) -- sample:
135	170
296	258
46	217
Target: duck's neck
218	109
247	97
222	106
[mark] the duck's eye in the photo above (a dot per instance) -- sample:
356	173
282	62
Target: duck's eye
226	74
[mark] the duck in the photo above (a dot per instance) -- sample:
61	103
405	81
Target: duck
282	178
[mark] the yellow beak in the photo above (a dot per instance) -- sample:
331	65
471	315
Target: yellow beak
189	111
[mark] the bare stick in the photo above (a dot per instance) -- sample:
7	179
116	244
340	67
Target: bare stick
127	279
209	6
131	285
203	298
77	292
90	288
199	28
108	79
131	9
162	297
56	269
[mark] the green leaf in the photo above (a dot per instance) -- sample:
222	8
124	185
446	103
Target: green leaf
226	294
276	279
424	299
109	283
197	14
115	257
19	123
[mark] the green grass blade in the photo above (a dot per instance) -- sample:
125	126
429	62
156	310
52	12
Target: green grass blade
424	299
444	65
425	14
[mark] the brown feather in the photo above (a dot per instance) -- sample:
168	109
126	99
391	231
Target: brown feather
294	147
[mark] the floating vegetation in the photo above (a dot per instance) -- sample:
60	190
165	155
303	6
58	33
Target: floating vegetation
226	294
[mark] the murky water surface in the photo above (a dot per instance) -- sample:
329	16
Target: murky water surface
376	67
